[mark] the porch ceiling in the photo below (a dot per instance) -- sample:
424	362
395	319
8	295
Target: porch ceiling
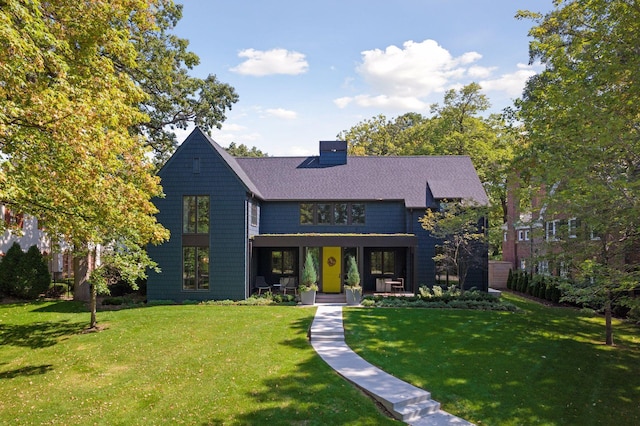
342	240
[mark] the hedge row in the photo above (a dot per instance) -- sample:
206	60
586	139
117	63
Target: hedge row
540	286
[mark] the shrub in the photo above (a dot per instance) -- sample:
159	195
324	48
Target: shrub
510	280
56	291
24	275
32	275
113	301
9	269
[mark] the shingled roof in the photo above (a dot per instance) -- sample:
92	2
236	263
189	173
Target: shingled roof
410	179
366	178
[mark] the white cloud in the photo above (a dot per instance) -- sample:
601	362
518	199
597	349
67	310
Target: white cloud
342	102
415	70
297	151
480	72
282	113
383	101
512	83
232	127
275	61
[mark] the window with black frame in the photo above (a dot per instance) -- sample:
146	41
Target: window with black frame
195	242
383	262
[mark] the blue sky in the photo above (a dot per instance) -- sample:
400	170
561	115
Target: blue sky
306	70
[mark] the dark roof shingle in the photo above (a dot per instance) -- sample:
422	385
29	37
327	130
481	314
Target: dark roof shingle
365	178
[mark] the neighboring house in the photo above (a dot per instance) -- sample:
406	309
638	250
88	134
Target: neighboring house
232	219
25	230
533	239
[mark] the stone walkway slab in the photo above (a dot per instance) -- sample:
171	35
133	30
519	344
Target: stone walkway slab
406	402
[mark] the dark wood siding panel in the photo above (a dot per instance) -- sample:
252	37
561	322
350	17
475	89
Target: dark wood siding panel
228	238
381	217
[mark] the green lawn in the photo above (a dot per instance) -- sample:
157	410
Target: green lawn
540	366
199	364
194	365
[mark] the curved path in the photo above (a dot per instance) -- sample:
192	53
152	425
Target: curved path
406	402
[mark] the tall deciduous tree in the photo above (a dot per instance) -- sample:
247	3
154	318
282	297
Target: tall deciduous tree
582	115
174	99
244	151
456	128
460	226
86	89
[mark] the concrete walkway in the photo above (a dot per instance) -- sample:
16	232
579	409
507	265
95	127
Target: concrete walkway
406	402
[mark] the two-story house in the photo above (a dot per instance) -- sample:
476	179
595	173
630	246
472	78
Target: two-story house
232	219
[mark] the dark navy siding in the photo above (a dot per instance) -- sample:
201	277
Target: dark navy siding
425	270
228	224
381	218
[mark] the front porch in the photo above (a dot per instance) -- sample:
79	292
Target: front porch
380	257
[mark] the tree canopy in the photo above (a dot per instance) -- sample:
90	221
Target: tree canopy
68	157
90	93
456	128
582	117
244	151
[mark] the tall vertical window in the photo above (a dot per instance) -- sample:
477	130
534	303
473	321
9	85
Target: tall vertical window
551	229
195	242
195	210
324	214
340	214
357	214
306	214
572	227
254	213
195	268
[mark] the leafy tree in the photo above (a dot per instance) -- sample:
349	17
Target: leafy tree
69	158
87	89
460	227
380	136
243	151
456	128
174	99
581	114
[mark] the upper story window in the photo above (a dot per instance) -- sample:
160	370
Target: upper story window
253	207
332	213
195	210
523	235
13	220
551	230
572	227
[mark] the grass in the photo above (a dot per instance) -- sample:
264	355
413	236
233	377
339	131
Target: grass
204	365
539	366
236	365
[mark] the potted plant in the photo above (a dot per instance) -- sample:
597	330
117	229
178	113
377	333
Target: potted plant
308	286
353	289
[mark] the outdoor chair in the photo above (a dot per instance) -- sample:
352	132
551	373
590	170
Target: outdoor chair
261	284
289	283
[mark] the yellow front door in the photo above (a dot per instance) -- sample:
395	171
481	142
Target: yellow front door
331	269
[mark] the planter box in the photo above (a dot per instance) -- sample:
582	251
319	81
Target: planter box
308	297
353	296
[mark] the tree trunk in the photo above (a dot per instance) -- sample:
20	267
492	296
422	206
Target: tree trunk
93	303
81	271
607	320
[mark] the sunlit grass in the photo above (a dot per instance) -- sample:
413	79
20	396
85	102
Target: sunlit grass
193	365
542	365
